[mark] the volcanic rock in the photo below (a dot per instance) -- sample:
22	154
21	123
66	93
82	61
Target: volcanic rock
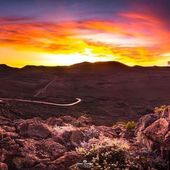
68	119
33	128
153	131
64	162
3	166
53	121
76	137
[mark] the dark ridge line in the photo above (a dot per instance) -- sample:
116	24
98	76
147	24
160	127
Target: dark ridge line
79	65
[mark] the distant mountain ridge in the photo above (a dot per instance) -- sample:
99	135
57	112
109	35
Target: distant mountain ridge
111	89
6	68
83	65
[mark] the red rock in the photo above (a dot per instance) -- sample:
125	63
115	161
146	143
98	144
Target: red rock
128	134
68	119
38	130
9	145
4	120
84	121
9	128
53	121
167	140
33	128
106	131
77	137
3	154
3	166
52	149
66	136
91	132
40	152
155	134
42	149
157	130
12	135
145	121
2	132
67	160
58	138
119	129
19	162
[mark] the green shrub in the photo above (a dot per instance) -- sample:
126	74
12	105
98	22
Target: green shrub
110	155
160	109
130	125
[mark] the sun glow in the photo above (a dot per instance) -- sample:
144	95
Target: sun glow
70	43
70	59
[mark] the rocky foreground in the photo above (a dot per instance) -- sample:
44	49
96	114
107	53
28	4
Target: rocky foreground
63	143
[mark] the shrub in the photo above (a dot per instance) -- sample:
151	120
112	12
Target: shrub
160	109
104	153
130	125
109	154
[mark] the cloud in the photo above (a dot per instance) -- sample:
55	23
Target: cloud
13	20
132	38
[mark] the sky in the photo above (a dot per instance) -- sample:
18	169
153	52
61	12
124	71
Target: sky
65	32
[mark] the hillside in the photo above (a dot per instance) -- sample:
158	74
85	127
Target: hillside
70	143
109	89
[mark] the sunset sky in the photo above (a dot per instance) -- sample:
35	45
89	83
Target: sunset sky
65	32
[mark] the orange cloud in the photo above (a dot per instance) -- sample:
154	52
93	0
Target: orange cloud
133	39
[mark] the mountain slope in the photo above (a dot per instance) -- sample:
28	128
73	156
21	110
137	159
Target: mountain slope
108	89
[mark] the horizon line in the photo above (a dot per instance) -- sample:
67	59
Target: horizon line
18	67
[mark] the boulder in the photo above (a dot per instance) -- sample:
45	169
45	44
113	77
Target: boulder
145	121
157	130
42	149
33	128
3	166
153	131
50	149
67	160
77	137
23	162
37	152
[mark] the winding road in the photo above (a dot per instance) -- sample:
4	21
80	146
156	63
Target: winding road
42	102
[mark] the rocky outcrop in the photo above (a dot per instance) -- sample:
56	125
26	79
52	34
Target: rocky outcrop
65	161
3	166
42	144
33	128
58	143
154	131
33	152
